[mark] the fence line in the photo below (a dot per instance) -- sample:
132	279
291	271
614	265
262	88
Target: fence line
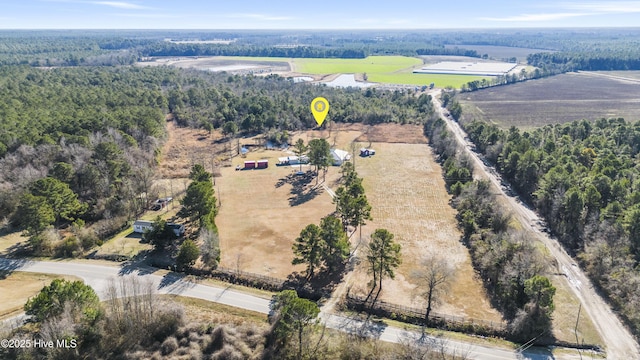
270	280
418	314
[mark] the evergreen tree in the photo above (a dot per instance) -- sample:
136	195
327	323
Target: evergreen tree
308	249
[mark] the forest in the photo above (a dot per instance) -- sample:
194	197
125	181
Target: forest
571	49
583	178
78	145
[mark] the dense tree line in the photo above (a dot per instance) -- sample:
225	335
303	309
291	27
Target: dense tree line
582	177
577	47
257	104
511	267
588	60
76	146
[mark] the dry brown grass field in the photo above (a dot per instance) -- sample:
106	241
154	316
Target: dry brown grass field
554	100
263	211
261	214
18	287
408	197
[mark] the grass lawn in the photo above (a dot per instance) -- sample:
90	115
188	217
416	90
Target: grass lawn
203	311
9	239
18	287
126	243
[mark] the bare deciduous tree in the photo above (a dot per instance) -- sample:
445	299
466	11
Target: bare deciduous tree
433	277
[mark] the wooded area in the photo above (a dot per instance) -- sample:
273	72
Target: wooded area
93	135
512	268
582	177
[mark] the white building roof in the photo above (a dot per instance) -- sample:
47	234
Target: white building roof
340	154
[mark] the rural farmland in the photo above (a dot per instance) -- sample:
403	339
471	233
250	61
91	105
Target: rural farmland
555	100
386	70
263	212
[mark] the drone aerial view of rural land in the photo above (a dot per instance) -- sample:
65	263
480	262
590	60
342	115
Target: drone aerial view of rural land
319	180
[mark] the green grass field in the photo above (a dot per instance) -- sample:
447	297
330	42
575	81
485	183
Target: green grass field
369	65
379	69
409	78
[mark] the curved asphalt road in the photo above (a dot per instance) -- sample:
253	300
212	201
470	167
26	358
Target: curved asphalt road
98	276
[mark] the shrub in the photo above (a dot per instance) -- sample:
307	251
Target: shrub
169	345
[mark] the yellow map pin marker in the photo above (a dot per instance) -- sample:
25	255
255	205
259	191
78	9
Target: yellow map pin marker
319	109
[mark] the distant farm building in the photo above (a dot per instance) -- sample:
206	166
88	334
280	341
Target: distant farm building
293	160
340	156
249	165
467	68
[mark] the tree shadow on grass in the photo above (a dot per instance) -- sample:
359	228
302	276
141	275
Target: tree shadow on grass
302	189
18	250
320	285
8	266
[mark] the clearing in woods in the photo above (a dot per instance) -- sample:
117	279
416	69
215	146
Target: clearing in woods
263	211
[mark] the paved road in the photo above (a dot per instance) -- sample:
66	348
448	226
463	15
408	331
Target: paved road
98	276
618	340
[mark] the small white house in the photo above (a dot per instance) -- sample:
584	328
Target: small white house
140	226
340	156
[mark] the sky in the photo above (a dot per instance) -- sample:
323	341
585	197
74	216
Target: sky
301	14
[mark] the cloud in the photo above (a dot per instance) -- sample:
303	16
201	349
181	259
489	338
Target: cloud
574	9
264	17
535	17
605	7
120	5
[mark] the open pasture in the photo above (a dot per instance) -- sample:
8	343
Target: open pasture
554	100
263	211
369	65
406	190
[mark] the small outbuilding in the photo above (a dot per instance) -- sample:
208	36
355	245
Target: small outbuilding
249	165
364	152
262	164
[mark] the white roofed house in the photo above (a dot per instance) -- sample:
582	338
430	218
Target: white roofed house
340	156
